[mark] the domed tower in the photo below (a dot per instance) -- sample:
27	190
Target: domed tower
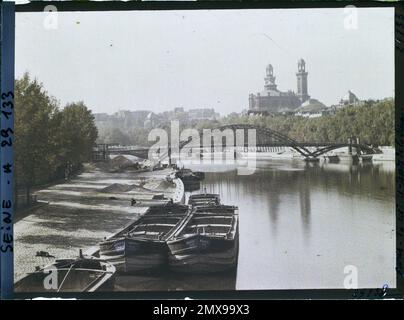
270	79
302	81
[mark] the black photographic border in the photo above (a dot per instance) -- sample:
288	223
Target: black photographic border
367	293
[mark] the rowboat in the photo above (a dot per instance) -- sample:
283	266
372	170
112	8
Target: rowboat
190	176
207	241
84	274
142	247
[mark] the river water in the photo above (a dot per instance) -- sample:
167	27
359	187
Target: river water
308	226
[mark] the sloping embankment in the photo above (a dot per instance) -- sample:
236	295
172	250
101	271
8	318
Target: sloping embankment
79	216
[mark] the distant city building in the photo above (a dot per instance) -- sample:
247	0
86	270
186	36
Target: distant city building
178	110
202	114
312	108
126	120
137	116
272	100
122	119
302	81
349	99
150	121
101	116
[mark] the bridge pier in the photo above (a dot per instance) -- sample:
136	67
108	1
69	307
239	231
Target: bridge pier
169	157
332	159
352	157
100	153
312	159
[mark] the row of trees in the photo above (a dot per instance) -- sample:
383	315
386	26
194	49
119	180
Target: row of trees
135	136
50	141
372	122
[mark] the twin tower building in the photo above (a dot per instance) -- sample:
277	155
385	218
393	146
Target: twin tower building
271	100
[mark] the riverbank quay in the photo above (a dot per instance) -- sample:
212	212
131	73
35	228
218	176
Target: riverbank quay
81	212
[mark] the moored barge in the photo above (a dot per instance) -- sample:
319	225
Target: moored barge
204	200
143	247
208	241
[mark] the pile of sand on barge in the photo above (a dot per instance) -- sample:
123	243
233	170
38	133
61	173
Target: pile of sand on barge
118	188
121	162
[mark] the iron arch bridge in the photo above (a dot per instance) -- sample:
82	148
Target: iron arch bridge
265	137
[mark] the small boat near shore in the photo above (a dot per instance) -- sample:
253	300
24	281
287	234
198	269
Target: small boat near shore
142	247
208	240
191	179
189	175
84	274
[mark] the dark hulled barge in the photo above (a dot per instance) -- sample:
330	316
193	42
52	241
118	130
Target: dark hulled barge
208	240
142	247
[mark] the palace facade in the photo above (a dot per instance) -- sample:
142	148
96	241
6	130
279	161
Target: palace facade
271	100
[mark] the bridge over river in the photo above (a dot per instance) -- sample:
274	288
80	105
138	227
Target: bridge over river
265	139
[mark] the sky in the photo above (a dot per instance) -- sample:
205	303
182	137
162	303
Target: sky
159	60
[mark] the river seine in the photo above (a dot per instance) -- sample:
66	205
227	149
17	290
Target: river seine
312	225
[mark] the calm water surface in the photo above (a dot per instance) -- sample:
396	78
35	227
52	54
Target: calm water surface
301	224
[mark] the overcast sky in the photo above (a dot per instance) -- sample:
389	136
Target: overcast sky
194	59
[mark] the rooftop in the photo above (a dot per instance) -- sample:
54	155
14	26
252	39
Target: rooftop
311	105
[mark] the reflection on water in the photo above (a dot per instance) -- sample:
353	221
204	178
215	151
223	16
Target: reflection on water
301	224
